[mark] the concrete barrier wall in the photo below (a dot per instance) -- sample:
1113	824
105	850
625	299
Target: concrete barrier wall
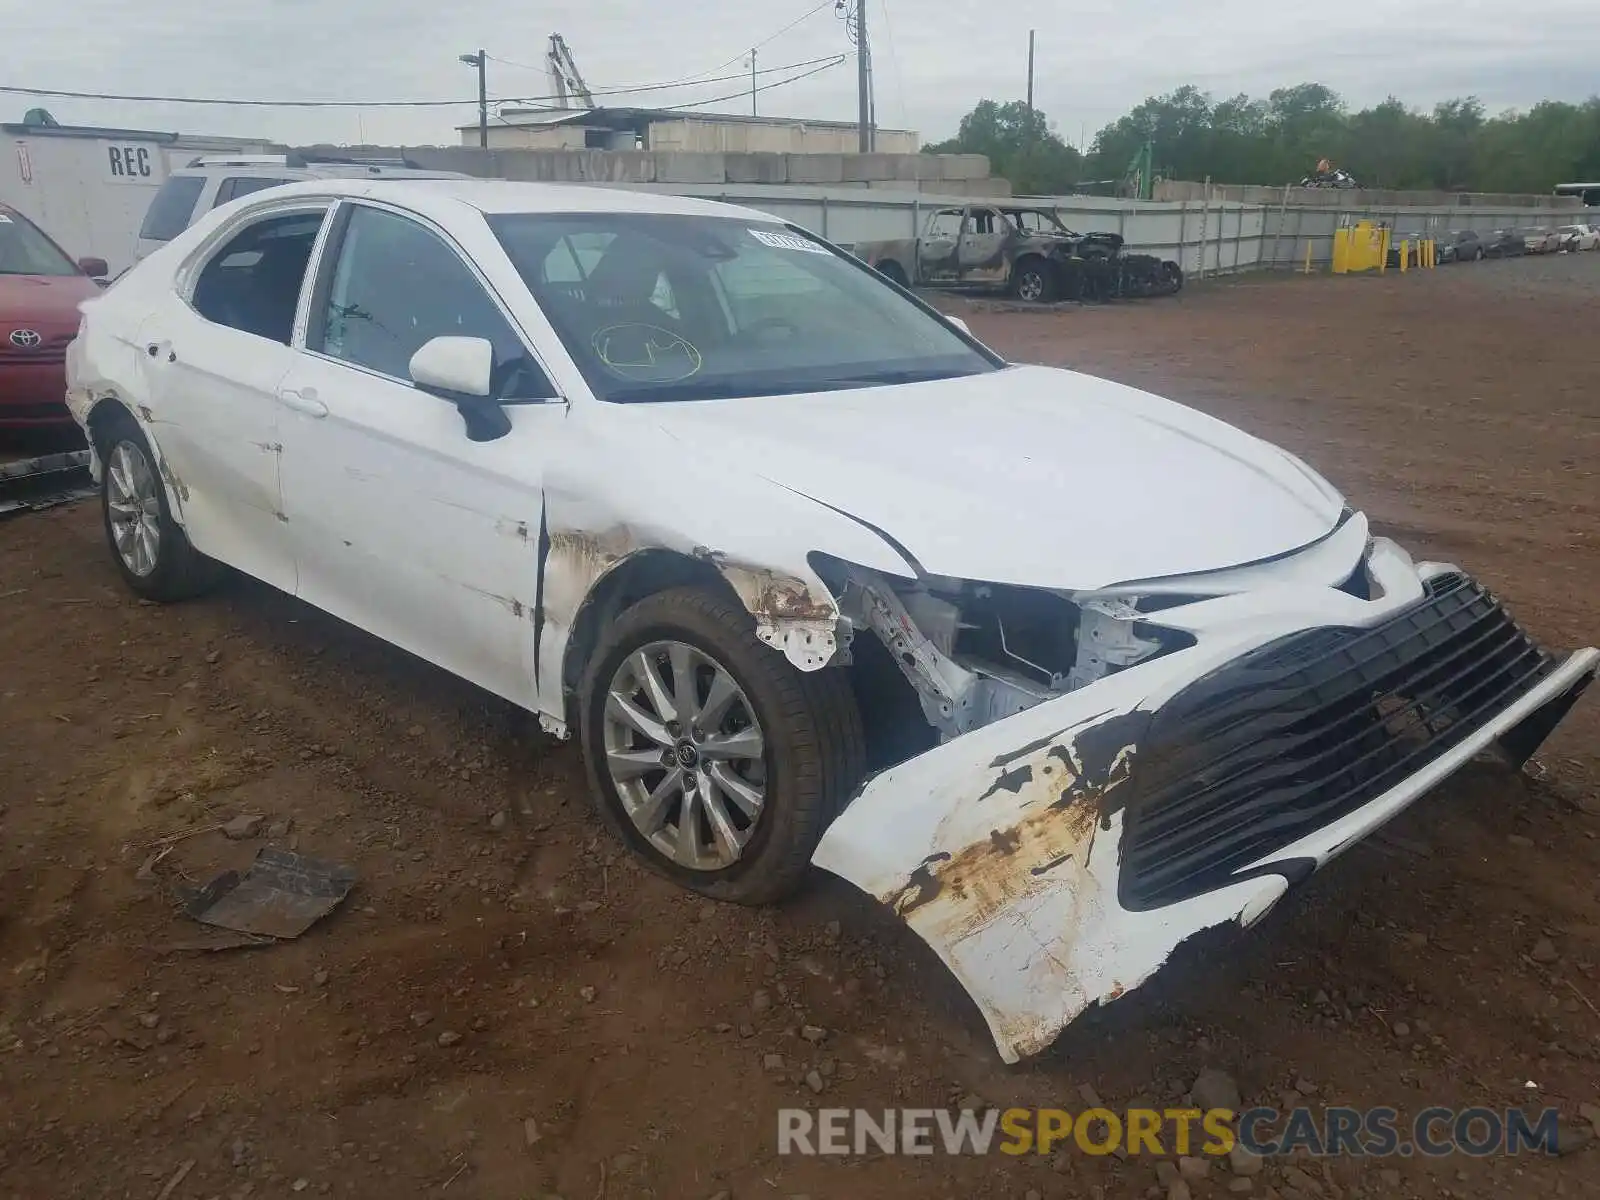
913	172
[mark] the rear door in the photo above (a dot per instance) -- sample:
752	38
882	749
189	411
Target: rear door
216	351
982	255
936	251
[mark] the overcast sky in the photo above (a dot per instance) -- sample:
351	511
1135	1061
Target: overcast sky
934	58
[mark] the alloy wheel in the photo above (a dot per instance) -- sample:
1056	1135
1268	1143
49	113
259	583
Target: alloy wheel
133	503
685	753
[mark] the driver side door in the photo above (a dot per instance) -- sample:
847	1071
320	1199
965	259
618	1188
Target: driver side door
401	524
982	254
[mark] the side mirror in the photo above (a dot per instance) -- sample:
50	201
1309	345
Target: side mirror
959	324
460	370
94	268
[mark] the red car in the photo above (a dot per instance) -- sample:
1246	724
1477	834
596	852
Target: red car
40	289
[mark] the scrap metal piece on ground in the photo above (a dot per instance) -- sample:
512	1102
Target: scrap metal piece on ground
280	895
31	484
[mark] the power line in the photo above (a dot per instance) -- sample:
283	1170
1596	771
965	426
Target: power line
57	92
766	87
252	103
831	60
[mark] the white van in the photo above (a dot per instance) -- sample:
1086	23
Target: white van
192	191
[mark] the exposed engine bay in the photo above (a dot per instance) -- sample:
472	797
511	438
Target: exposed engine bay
976	653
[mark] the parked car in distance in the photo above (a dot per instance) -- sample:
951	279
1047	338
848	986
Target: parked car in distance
1578	237
1459	245
1504	243
212	180
717	498
40	290
1024	250
1541	240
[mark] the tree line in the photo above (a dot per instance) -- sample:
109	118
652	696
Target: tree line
1279	140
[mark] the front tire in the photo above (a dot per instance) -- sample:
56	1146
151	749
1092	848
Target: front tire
713	758
151	551
1034	282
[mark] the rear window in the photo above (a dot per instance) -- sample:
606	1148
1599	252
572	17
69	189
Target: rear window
170	210
243	185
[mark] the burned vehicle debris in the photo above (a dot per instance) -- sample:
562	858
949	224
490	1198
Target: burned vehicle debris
797	561
1021	250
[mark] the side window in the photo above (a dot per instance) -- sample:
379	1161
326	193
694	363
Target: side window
242	185
945	224
253	282
395	286
982	220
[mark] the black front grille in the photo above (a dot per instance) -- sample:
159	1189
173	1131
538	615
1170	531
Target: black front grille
1291	736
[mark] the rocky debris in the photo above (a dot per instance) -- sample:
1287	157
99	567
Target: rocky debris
241	828
1090	1097
1572	1136
1294	1177
586	994
449	1038
1179	1190
530	1132
1192	1169
814	1081
421	1017
281	828
1243	1163
1240	1185
1401	1029
760	1002
1544	951
813	1033
500	820
1167	1172
1213	1088
772	1062
320	978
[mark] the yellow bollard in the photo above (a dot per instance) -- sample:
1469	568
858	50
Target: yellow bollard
1405	253
1383	250
1433	254
1308	259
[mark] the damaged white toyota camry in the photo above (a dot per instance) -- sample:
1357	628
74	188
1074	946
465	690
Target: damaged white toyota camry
1061	672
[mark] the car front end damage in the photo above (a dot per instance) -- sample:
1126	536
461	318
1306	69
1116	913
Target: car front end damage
1179	759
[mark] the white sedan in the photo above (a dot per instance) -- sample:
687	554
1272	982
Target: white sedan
1060	671
1578	237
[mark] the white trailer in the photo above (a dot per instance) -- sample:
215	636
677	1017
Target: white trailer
88	187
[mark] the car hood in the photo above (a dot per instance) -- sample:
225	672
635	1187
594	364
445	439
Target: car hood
1028	475
31	301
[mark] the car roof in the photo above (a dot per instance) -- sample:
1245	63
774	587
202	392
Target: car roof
434	197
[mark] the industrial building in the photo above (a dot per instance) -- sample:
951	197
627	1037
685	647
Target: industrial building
676	130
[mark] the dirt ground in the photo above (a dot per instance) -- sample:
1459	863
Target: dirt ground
502	962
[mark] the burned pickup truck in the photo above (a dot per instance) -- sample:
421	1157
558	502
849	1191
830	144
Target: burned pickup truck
1024	251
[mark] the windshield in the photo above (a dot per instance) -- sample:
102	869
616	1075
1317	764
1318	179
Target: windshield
655	307
24	250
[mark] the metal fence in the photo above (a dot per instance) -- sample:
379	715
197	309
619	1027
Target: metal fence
1204	237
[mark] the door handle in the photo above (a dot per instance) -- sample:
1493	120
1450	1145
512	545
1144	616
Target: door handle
304	400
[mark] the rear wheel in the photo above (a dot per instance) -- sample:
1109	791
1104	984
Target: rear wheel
894	273
150	549
711	756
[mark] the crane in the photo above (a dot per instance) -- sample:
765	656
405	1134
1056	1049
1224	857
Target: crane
564	74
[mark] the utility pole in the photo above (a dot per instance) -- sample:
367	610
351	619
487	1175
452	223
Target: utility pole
481	61
863	79
1030	73
752	81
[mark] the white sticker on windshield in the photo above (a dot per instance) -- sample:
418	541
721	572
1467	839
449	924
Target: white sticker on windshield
786	241
4	220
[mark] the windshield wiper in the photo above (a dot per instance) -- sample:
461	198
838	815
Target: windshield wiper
737	389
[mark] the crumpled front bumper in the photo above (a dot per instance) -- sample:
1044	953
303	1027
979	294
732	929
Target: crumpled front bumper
1056	858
